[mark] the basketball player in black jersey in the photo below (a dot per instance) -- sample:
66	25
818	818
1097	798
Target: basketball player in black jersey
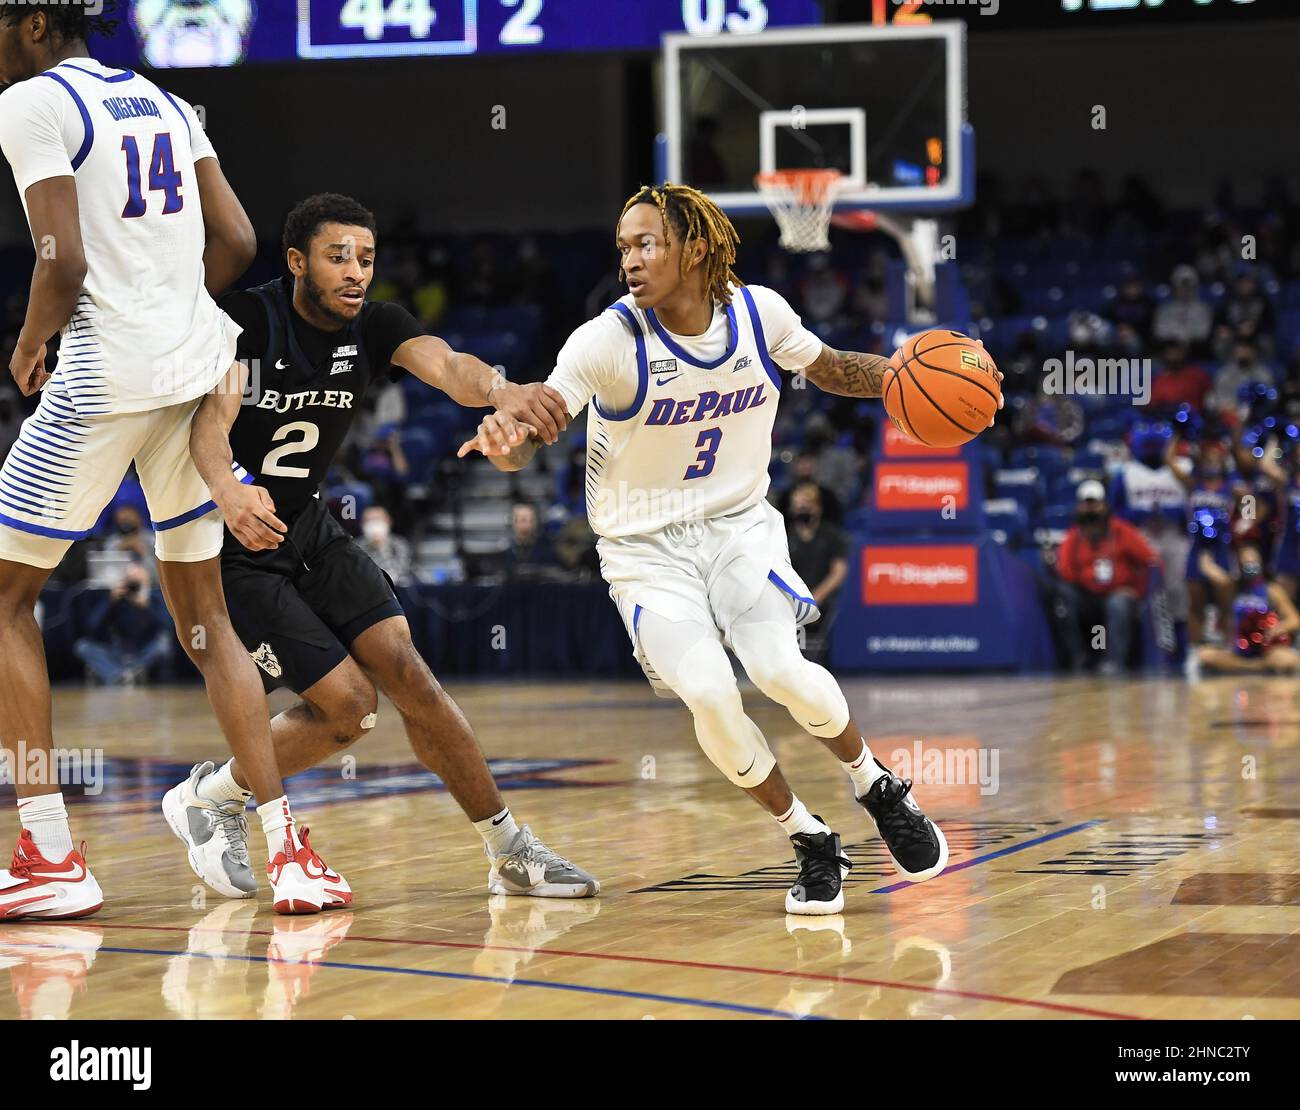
316	613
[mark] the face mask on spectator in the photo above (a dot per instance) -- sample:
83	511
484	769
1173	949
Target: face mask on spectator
128	527
376	531
804	518
1089	514
1252	571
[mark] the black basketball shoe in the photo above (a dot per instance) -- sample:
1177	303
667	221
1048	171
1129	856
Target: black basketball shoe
914	841
819	887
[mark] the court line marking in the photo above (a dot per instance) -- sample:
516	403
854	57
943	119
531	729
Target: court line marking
644	996
1009	850
978	996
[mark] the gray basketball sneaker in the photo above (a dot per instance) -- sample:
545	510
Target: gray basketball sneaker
529	867
216	834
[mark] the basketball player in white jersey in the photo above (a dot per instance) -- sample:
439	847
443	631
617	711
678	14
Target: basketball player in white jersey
683	379
135	228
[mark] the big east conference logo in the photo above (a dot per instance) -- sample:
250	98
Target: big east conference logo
941	574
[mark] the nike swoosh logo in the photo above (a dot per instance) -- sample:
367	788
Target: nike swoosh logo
280	364
665	381
819	724
498	820
749	768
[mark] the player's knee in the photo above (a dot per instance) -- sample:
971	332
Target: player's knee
354	712
704	681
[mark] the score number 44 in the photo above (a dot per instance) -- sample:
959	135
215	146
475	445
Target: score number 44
373	18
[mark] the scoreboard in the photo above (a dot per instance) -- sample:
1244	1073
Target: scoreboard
189	33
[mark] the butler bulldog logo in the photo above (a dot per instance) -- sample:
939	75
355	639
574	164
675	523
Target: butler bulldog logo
265	658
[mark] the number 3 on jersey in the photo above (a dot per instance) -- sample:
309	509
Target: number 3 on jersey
708	443
163	176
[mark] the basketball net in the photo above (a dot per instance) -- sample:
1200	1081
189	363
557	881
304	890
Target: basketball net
801	201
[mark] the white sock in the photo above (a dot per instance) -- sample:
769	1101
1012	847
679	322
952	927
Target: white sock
45	817
277	824
797	819
497	831
863	771
220	786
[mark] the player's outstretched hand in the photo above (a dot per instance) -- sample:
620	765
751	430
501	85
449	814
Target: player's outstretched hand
498	434
535	404
250	516
28	369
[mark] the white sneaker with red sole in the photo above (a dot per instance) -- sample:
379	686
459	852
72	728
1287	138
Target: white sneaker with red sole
33	887
302	882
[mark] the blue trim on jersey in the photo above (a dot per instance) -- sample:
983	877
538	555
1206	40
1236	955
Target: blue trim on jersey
194	514
86	121
179	111
667	340
763	353
41	530
642	369
785	587
123	75
636	620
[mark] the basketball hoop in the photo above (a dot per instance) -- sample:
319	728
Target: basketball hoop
801	202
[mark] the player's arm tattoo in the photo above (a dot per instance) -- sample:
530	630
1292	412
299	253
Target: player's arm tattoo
848	373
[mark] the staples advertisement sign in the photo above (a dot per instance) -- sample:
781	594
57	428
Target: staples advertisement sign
922	485
896	445
920	575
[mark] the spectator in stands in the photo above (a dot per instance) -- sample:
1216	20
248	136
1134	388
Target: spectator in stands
1148	493
1184	317
530	550
1244	314
1178	381
384	467
819	553
804	469
575	547
127	633
130	535
1264	618
1242	368
1103	570
838	467
391	552
1133	306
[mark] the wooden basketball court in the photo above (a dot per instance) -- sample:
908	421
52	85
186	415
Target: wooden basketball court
1118	849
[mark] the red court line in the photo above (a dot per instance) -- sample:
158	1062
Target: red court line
979	996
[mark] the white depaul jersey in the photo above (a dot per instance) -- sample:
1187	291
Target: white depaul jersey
680	427
145	333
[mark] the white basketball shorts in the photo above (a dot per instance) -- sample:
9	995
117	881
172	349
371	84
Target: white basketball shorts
709	572
65	468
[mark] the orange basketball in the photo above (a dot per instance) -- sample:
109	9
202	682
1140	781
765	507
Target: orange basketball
941	388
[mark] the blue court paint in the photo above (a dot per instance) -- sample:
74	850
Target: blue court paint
612	992
993	855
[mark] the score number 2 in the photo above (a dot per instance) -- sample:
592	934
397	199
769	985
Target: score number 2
417	17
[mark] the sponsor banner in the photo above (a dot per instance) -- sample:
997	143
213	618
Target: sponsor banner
914	486
930	574
896	445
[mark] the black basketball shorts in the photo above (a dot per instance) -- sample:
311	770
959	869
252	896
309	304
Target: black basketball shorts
298	608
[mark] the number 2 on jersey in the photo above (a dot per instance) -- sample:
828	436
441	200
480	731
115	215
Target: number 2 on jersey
708	443
163	176
272	467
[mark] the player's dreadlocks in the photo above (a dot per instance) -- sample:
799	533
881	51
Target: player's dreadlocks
694	216
76	21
